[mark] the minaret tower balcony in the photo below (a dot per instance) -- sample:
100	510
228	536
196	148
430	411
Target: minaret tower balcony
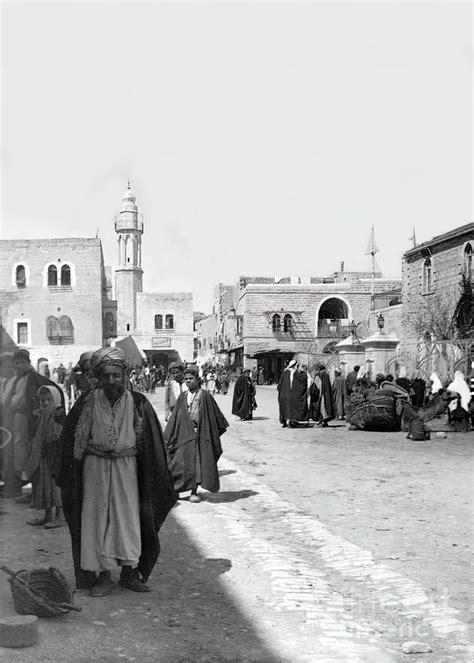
128	222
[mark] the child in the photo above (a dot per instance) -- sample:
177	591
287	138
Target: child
46	494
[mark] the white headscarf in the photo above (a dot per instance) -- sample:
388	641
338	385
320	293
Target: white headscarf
55	394
437	384
361	373
460	386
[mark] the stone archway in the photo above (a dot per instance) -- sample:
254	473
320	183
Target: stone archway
332	311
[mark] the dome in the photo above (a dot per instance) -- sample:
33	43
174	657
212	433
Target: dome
129	195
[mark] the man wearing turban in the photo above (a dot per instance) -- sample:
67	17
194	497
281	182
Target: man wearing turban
193	435
115	484
175	386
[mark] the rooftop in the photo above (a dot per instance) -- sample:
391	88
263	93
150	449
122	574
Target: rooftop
467	229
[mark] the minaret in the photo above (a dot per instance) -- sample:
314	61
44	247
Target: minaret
129	274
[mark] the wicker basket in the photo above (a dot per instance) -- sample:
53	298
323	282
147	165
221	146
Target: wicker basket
41	592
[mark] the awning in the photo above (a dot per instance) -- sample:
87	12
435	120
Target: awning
133	354
272	351
7	344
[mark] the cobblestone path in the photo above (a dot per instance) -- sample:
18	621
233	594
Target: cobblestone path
322	546
316	595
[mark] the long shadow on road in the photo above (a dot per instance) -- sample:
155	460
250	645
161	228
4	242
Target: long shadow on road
188	617
227	496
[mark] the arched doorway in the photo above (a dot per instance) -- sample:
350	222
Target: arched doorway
333	318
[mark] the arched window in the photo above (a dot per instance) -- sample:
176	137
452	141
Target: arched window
52	275
427	276
67	329
20	276
468	261
158	321
169	321
65	275
276	323
288	323
53	332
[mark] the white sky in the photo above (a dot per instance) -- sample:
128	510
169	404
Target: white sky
261	138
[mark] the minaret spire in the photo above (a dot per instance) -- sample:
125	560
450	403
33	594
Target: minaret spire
372	249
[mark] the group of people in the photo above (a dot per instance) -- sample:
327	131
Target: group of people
147	378
302	397
109	469
419	392
217	380
106	466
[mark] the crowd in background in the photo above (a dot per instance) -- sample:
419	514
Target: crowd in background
84	436
36	405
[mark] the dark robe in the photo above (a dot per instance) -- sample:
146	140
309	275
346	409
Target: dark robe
186	445
339	395
419	388
351	380
292	400
244	398
324	407
404	383
155	487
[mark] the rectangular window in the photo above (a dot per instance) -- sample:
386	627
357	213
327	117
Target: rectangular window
239	325
22	333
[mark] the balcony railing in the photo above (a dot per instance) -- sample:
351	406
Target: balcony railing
333	329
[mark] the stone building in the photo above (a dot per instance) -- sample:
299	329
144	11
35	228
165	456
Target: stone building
433	274
55	298
438	324
270	320
155	326
207	339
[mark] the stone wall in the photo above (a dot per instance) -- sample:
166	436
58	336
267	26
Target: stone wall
206	335
179	339
34	302
128	283
258	303
393	316
447	256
